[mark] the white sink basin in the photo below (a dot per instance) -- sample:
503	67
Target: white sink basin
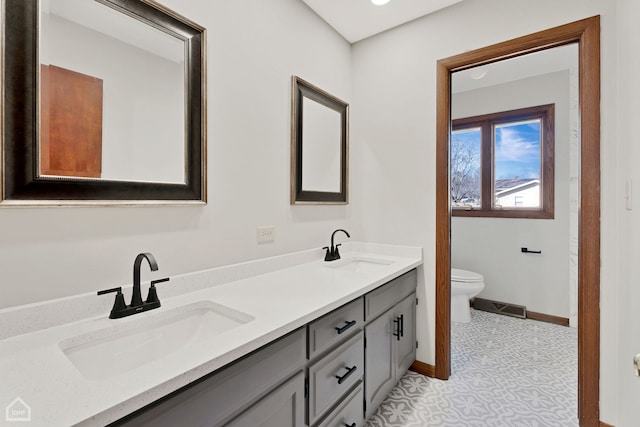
112	351
360	265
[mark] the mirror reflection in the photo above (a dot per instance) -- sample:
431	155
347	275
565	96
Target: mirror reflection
112	95
321	154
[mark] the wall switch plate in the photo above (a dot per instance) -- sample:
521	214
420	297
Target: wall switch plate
266	234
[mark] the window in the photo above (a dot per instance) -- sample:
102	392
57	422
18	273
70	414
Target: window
502	164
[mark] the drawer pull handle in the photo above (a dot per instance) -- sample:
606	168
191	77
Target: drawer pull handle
402	325
397	332
343	378
347	325
350	425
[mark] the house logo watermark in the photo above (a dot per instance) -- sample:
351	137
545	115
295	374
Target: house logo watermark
18	410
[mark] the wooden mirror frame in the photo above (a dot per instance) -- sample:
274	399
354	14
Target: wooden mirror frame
21	183
302	89
586	33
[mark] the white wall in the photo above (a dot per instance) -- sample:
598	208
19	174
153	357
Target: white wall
491	246
395	126
626	334
253	49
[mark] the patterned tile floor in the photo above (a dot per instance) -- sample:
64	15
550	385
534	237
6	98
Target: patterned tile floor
505	372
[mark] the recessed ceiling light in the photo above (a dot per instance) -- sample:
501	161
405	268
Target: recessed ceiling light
379	2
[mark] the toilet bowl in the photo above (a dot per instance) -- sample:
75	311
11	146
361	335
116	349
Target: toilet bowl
464	286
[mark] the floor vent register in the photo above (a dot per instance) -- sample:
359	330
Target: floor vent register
500	307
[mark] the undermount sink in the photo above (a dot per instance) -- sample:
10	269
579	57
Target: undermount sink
360	265
111	351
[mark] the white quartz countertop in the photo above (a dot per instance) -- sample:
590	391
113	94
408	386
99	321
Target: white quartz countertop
34	368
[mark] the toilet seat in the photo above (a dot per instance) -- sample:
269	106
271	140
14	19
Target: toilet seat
464	276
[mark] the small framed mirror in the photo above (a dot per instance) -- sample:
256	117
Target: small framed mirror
104	103
319	146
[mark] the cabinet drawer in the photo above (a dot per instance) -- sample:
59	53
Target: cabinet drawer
348	413
217	398
379	300
332	376
335	327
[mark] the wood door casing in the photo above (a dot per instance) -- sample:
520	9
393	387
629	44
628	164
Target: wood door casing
70	123
586	33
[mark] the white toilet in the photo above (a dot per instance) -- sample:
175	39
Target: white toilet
464	286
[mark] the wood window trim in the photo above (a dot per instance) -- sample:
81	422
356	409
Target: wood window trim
486	122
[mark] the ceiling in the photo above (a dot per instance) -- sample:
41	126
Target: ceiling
358	19
113	23
534	64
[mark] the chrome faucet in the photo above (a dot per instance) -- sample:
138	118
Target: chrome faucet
120	308
332	252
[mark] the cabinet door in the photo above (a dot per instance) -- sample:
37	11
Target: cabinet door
228	392
406	345
69	146
379	360
283	407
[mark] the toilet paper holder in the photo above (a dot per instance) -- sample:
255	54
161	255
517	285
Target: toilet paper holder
527	251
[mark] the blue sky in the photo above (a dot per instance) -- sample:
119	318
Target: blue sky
517	150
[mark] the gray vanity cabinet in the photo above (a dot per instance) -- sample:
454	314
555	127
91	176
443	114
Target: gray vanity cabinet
321	375
405	346
266	383
336	366
283	407
348	412
331	377
333	328
380	377
390	338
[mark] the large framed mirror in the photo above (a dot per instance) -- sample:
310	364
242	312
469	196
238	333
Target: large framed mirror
319	146
104	103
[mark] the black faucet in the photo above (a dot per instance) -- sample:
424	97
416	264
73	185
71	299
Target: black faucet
120	308
136	297
332	252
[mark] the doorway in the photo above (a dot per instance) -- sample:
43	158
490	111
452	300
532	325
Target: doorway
587	34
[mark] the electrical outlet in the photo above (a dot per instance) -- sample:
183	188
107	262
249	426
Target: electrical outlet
266	234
